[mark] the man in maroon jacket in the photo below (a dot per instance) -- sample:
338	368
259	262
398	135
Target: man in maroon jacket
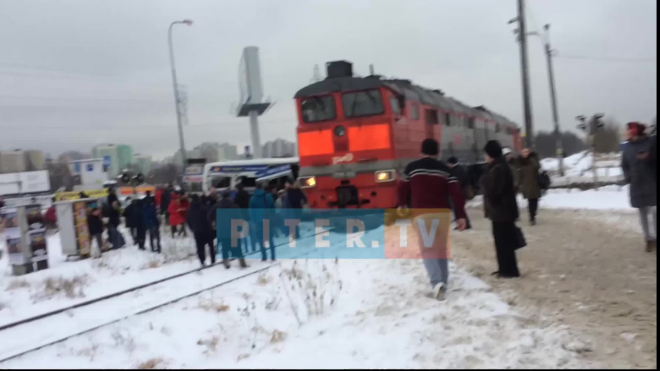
427	184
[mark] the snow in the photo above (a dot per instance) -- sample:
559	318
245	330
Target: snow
578	168
605	198
312	313
115	271
367	313
610	197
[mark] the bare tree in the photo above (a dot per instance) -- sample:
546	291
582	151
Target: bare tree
608	138
546	144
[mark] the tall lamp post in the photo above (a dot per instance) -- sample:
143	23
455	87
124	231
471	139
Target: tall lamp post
177	100
553	94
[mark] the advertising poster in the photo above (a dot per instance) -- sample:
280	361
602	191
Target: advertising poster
9	218
12	235
38	245
80	222
34	218
15	250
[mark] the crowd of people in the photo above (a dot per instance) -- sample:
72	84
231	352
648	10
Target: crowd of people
179	211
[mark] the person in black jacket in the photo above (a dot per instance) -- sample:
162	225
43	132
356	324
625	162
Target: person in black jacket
198	222
165	200
130	218
222	222
295	200
501	208
95	226
242	201
115	237
138	222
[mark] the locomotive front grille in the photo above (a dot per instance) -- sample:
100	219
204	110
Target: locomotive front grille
346	196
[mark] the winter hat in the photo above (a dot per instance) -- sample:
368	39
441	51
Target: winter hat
493	149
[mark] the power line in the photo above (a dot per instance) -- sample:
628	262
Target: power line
134	126
607	59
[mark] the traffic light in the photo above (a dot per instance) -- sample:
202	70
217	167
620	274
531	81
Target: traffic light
593	125
128	178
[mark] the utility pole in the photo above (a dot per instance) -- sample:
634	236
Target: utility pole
553	96
524	66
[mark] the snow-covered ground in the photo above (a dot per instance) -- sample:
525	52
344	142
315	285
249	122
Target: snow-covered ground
605	198
314	313
66	283
321	314
578	168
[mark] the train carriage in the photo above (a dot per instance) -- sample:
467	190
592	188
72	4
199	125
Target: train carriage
357	134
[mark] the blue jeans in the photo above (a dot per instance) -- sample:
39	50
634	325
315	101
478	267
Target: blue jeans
438	270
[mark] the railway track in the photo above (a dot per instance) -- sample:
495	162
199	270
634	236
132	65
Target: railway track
62	324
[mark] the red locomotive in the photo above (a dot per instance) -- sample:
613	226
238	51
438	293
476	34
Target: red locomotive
356	134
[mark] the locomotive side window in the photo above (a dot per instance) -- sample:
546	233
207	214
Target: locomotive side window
447	119
394	103
414	111
470	123
362	103
316	109
497	128
431	116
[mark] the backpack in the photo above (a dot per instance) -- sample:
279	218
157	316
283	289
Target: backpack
544	181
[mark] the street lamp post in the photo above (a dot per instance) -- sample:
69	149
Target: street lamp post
553	95
177	100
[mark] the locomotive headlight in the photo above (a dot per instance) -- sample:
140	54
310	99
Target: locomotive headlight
384	176
307	182
340	131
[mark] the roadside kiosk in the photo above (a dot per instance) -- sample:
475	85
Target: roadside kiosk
25	237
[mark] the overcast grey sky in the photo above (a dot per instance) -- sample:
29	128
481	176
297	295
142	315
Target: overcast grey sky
75	73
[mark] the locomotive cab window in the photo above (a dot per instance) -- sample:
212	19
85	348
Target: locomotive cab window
316	109
394	103
362	103
431	116
414	111
470	123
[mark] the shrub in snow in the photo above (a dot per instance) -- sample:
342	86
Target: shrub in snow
56	286
17	284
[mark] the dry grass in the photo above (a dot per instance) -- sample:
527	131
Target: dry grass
211	344
278	336
242	357
150	364
263	279
212	306
89	351
154	263
125	340
56	286
17	284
